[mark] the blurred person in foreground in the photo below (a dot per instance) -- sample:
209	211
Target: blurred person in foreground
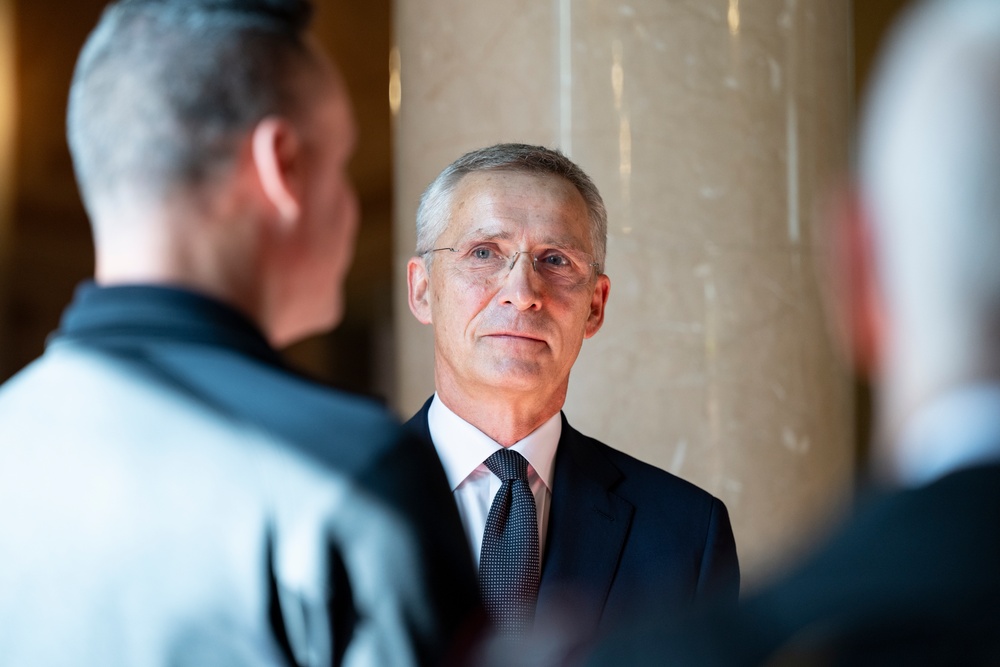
913	576
170	492
509	272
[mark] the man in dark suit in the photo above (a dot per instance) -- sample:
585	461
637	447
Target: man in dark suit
170	492
509	272
913	577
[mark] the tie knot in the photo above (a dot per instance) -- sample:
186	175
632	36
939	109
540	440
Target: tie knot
508	465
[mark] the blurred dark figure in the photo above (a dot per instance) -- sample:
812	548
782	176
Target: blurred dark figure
913	578
170	492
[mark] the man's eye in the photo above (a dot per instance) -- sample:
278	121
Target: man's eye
482	253
555	260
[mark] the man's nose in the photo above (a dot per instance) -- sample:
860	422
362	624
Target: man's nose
522	286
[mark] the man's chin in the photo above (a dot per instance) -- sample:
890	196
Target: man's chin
516	375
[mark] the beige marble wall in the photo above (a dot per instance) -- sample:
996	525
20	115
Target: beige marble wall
712	128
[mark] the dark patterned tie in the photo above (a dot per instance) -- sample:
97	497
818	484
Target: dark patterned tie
508	562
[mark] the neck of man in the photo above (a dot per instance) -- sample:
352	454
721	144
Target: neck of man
185	250
154	269
506	416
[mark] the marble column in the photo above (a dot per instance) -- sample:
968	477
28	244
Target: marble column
713	129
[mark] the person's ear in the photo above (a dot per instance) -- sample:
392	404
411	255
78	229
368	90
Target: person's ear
858	305
418	289
598	302
277	155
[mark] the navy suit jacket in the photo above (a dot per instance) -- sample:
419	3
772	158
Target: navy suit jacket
626	539
912	578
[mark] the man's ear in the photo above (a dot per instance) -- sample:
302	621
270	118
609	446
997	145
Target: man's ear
277	157
858	304
418	289
598	301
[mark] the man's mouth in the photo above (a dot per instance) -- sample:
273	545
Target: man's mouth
515	336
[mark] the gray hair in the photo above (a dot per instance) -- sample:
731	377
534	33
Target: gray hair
930	168
162	88
434	210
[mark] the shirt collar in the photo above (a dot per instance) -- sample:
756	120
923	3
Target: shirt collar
957	430
462	447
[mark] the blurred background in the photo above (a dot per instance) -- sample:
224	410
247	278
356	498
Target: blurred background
405	63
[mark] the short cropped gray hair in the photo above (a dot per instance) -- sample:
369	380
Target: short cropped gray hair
435	204
163	88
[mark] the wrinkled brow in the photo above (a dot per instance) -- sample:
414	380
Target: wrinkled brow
489	234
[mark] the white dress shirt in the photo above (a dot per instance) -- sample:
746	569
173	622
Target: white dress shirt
463	448
956	430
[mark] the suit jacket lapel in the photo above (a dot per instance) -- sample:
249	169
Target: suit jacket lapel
588	524
418	423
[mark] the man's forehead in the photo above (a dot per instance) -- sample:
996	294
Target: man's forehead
509	179
518	232
506	205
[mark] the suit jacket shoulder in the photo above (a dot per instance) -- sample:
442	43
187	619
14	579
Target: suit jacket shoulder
911	578
639	481
632	539
231	510
389	470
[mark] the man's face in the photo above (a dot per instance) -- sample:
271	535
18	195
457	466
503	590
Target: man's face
502	329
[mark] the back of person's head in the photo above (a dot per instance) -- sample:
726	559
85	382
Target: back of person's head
163	90
930	177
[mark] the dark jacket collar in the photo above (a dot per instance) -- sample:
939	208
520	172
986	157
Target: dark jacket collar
133	315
